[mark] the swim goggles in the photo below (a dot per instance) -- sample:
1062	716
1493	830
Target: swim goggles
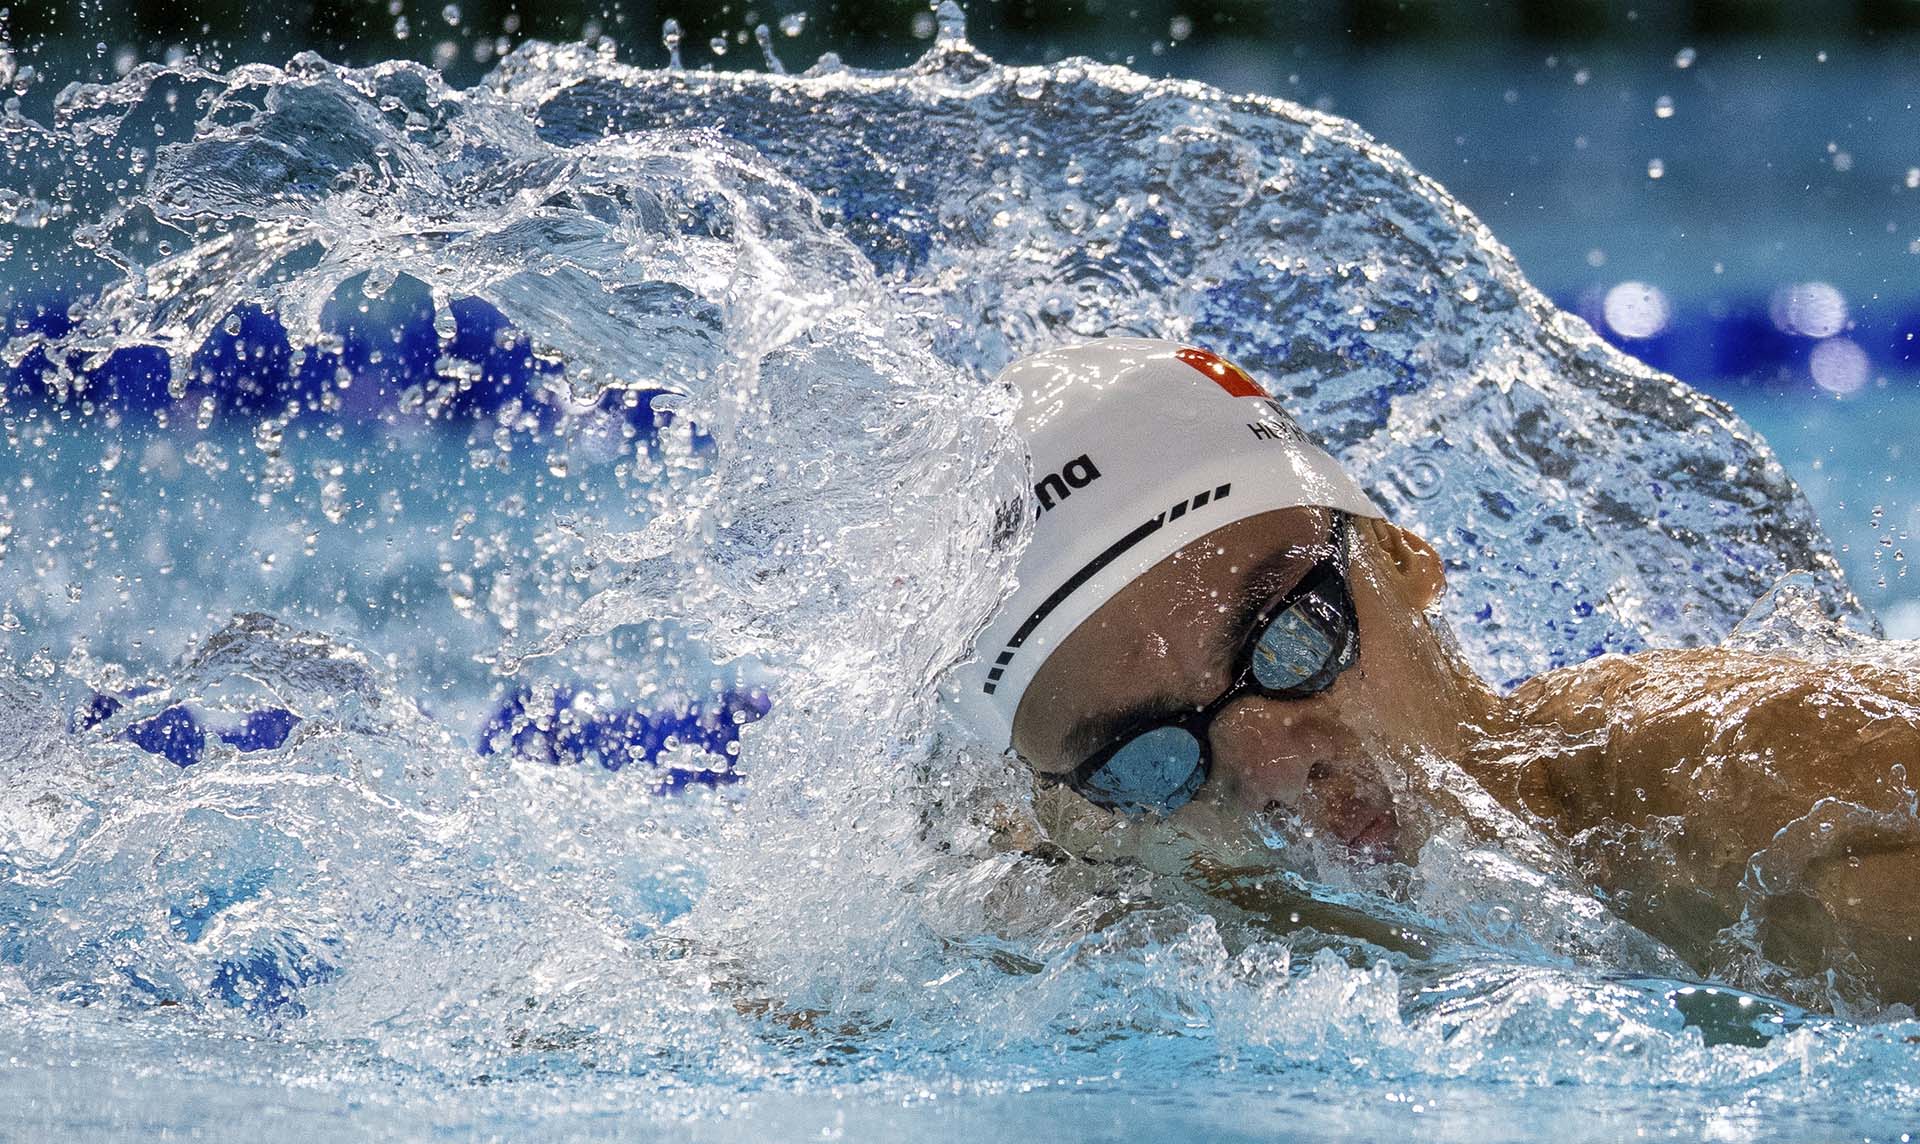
1299	644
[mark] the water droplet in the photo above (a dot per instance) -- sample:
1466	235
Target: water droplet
333	501
793	23
670	36
1656	168
718	45
764	37
1663	107
953	22
1684	58
451	14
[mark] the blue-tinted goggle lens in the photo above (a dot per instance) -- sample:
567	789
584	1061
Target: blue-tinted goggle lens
1158	770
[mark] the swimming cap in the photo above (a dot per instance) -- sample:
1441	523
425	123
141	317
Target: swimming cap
1139	446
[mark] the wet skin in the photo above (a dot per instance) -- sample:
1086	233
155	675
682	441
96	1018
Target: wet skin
1711	752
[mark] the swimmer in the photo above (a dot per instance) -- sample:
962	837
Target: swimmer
1214	625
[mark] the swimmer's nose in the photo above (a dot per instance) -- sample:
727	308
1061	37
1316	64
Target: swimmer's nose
1296	757
1264	752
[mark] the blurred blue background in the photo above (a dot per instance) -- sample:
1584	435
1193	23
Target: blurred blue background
1728	189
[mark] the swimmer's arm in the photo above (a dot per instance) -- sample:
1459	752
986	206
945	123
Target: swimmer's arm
1681	767
1861	902
1851	909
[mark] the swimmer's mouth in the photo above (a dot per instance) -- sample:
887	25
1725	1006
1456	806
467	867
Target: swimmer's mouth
1356	808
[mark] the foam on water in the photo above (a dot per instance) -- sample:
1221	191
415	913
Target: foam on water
752	445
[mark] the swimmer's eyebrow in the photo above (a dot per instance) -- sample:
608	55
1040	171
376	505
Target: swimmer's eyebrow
1263	581
1273	575
1096	731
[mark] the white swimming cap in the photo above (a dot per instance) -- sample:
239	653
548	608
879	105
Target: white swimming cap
1139	446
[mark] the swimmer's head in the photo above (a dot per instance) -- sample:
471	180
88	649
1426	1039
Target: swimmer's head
1212	620
1138	448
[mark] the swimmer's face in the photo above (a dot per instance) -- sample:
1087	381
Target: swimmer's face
1170	640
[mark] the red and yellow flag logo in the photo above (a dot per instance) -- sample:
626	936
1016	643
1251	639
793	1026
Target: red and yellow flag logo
1221	372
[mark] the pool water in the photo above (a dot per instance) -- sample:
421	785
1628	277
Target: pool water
479	568
1853	457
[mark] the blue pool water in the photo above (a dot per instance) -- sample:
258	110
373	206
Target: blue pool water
476	567
1853	457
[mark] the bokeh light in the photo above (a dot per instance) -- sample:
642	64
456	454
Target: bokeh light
1809	309
1636	310
1839	365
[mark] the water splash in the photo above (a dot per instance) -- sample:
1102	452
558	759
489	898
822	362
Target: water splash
749	319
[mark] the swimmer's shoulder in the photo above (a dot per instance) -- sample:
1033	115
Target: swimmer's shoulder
1756	736
1613	688
1584	694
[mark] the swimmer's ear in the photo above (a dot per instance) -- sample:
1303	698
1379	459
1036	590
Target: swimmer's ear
1415	566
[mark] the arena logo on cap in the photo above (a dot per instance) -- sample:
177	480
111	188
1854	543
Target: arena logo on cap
1054	487
1221	372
